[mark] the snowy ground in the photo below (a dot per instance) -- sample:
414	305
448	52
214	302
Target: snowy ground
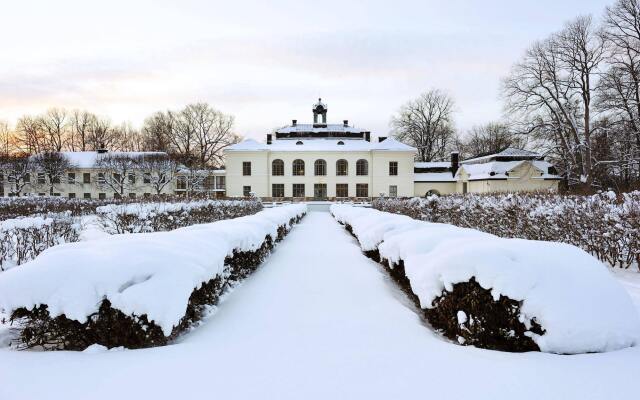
318	321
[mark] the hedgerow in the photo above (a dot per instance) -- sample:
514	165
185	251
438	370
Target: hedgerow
605	225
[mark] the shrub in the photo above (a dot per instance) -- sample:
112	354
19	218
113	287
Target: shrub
125	289
23	239
469	315
503	294
605	225
158	217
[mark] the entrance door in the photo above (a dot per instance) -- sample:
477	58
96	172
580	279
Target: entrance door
320	191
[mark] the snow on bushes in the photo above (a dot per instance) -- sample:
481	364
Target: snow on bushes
136	290
15	207
605	225
156	217
497	293
23	239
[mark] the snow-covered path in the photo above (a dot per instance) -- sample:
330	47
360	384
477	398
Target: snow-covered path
317	321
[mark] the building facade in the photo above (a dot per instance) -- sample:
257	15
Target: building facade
89	177
320	161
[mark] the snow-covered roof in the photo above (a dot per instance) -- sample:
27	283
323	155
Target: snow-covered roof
89	159
391	144
320	144
302	128
432	164
247	145
433	177
500	169
508	152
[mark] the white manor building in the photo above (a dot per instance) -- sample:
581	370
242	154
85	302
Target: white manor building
336	161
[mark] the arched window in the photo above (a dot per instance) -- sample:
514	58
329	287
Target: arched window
298	167
277	168
341	143
342	168
299	143
432	192
362	167
320	168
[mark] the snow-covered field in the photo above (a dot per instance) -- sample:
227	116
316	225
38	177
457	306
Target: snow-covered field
318	321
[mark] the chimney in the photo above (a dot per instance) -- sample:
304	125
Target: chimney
345	123
381	138
268	138
101	149
367	136
294	122
455	162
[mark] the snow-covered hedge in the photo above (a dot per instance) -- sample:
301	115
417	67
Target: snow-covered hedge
156	217
15	207
605	225
136	290
492	292
23	239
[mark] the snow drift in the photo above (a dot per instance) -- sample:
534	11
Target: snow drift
152	274
569	293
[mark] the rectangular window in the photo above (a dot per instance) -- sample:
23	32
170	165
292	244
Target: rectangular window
362	190
41	178
342	190
298	190
87	195
277	190
71	178
246	168
393	168
86	177
101	179
56	194
41	194
132	179
393	191
27	178
220	182
132	195
181	183
117	196
102	196
210	182
116	177
56	179
320	191
464	187
246	191
146	195
146	178
72	195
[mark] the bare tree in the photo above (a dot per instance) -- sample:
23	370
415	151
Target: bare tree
81	124
426	123
156	132
488	139
55	123
549	94
158	170
100	134
30	137
7	139
53	165
118	172
213	132
17	169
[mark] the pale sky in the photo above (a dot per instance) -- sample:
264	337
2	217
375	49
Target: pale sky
267	62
